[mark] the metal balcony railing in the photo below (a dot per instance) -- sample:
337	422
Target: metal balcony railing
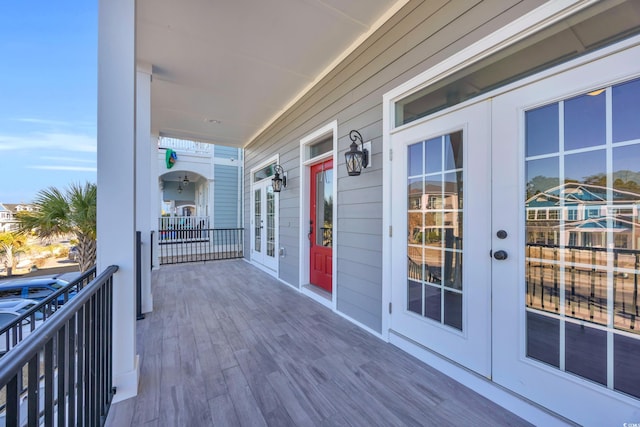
206	244
14	332
61	373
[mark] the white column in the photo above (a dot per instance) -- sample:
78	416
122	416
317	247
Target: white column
144	160
116	179
156	198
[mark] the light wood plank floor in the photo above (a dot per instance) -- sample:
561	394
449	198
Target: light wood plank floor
227	345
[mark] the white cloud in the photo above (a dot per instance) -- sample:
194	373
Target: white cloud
67	159
64	168
42	121
55	141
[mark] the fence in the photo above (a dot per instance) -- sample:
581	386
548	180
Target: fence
61	374
192	245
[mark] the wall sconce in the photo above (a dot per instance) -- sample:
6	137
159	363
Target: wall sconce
278	182
356	159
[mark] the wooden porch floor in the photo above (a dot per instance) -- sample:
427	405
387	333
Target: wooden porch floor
228	345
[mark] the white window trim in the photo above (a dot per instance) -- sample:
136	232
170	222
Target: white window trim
305	167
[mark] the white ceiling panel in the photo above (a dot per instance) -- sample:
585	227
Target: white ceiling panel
241	62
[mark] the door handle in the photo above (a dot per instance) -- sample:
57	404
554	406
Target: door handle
500	255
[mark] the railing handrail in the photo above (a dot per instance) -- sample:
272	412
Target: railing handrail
33	343
51	298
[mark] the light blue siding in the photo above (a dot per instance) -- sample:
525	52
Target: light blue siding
226	152
226	196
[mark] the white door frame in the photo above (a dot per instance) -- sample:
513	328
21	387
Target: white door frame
273	268
305	176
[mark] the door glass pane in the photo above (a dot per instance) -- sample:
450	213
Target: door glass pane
257	220
271	222
582	241
324	208
434	229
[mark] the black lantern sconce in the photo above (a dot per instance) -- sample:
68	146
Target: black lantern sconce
356	159
279	180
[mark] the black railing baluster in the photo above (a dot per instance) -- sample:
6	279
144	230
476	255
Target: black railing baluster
33	390
12	402
62	373
71	377
80	402
48	383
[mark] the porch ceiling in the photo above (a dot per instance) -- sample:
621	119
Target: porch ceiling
222	70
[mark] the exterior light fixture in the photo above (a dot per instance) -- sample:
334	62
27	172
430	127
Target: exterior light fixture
185	181
356	159
279	182
179	188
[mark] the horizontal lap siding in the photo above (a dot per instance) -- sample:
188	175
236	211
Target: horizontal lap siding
225	202
420	35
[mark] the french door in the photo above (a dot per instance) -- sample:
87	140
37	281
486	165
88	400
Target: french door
321	225
441	196
517	253
264	225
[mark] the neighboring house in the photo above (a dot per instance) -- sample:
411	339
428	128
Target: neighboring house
8	211
204	182
446	244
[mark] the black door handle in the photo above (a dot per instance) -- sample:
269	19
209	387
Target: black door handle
500	255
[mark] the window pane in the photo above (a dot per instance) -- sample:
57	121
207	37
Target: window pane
414	297
542	135
432	303
453	309
414	159
433	155
543	338
626	367
626	110
584	121
453	151
586	352
321	147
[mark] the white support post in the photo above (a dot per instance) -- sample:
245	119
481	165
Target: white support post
116	180
156	198
144	161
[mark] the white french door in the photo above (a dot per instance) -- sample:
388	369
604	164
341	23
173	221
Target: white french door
566	189
264	225
516	248
441	289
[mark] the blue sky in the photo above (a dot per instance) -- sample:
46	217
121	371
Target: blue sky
48	95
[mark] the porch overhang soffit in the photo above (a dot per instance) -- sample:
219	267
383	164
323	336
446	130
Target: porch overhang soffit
222	71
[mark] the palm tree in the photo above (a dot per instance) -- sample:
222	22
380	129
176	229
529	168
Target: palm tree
11	244
60	213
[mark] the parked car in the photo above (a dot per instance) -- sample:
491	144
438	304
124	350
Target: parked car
73	253
10	310
33	288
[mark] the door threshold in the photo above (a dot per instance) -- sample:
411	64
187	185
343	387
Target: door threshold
318	294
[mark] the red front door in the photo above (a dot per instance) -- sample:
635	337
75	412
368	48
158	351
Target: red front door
321	225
